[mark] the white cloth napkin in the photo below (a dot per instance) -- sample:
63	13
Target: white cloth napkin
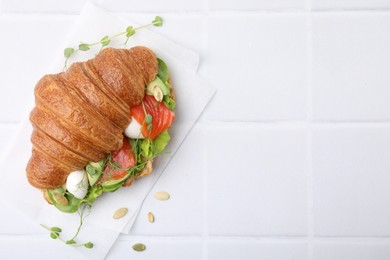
192	95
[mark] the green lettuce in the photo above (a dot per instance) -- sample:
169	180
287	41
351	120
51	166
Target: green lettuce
146	148
160	142
169	102
93	193
162	73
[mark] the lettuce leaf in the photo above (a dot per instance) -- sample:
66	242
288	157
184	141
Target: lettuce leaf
169	102
146	147
163	74
160	142
93	193
162	70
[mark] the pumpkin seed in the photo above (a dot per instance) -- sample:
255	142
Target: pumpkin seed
150	217
139	247
157	93
119	213
162	195
60	199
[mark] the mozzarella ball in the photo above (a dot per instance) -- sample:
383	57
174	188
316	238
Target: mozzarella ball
77	184
133	130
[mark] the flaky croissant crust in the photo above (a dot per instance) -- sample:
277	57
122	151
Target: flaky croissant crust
80	114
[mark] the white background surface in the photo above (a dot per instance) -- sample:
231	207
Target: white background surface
291	160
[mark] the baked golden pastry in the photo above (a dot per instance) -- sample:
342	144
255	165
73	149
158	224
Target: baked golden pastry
80	114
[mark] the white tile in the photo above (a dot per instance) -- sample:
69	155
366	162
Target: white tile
7	133
351	172
35	248
182	214
257	62
350	4
257	5
163	248
151	6
12	222
351	57
352	250
59	6
30	47
256	181
254	250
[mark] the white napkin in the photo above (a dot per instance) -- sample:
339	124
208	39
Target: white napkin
192	95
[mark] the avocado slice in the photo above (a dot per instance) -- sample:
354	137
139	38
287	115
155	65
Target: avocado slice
157	82
94	171
107	184
71	207
113	187
93	179
97	165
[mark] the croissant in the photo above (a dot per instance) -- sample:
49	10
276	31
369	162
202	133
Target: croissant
80	115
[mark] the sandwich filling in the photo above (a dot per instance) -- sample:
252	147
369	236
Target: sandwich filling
144	139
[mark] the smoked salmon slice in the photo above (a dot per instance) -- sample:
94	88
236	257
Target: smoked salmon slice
123	158
162	117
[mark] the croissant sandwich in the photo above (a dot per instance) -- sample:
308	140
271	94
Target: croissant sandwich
99	125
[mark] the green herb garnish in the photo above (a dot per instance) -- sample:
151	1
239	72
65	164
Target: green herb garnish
105	41
148	119
55	231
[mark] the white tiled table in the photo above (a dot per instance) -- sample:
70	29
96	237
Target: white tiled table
291	159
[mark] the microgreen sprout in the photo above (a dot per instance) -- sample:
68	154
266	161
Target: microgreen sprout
130	31
55	231
132	170
148	121
148	118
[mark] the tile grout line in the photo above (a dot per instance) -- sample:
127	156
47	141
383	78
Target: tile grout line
272	123
297	124
301	122
10	123
213	12
232	237
205	231
309	70
205	227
